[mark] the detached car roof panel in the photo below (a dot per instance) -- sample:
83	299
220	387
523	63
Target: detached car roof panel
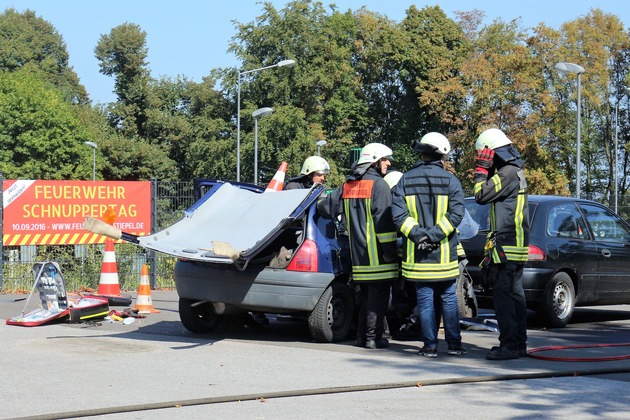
228	215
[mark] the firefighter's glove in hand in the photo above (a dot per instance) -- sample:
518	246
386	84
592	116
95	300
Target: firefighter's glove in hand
484	160
425	245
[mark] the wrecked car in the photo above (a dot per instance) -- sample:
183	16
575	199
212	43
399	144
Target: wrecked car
241	250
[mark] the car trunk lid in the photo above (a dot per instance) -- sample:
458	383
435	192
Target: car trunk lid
231	224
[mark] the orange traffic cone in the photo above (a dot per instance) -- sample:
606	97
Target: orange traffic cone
144	304
108	286
108	283
277	183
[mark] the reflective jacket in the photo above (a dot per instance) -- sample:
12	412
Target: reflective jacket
298	182
429	201
506	191
365	200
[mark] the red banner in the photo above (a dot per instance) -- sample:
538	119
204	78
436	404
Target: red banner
52	212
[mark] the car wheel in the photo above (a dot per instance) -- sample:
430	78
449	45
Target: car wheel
198	316
466	299
331	319
558	302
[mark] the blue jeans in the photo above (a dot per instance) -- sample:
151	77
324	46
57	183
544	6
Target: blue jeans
433	298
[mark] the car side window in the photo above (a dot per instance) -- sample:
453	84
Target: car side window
605	224
565	221
480	214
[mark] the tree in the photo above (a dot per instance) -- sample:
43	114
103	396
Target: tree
27	41
319	98
430	60
122	54
40	134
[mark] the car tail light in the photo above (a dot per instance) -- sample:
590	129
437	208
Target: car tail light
536	254
305	259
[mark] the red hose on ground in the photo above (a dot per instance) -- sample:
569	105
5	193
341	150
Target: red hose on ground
578	359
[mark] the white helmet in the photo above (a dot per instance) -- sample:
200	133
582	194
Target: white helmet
492	138
392	178
315	164
434	143
374	152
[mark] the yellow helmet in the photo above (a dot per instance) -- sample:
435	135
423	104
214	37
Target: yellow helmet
392	178
434	143
492	138
374	152
315	164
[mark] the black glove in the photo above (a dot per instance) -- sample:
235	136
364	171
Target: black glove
425	245
484	161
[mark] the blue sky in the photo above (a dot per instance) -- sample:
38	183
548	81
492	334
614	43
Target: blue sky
190	37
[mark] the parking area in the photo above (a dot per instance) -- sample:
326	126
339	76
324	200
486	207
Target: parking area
154	368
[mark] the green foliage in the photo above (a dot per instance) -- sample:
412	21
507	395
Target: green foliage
27	41
40	134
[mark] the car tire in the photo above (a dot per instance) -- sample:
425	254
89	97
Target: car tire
331	319
198	316
556	308
466	300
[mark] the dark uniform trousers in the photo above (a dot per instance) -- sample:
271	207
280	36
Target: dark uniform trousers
373	300
509	304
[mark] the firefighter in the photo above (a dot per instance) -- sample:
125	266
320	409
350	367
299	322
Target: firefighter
365	200
499	180
428	205
314	170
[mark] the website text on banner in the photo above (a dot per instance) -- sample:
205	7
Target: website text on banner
38	212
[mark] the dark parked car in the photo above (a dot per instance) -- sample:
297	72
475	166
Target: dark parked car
579	255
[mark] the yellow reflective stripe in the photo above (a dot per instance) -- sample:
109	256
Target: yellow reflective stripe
386	237
444	225
346	209
407	225
370	234
477	187
374	268
497	182
516	253
377	272
460	250
424	271
518	218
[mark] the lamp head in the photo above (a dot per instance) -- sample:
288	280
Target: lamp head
262	112
569	68
285	63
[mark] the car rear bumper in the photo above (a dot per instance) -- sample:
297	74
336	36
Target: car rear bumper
266	290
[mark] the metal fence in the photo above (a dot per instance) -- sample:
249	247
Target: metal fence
81	264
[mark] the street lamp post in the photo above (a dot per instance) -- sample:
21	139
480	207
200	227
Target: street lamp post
574	68
238	110
261	112
93	146
616	169
320	144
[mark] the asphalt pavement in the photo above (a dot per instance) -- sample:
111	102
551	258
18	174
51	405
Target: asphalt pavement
155	369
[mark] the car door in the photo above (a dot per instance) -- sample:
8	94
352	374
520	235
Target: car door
569	246
611	236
